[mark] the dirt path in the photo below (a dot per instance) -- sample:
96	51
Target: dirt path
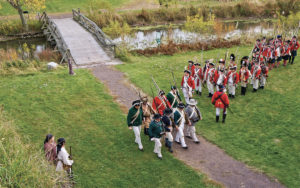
205	157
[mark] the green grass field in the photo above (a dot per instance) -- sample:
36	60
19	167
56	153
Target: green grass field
62	6
79	109
263	131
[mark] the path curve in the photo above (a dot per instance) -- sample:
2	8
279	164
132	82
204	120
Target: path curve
205	157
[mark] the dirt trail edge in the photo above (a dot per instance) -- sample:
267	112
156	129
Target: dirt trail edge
205	157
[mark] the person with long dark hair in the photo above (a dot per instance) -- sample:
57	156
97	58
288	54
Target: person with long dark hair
64	160
50	148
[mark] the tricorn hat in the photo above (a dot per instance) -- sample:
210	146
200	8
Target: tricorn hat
211	64
168	111
157	116
193	102
190	61
234	67
197	64
187	71
181	105
232	57
161	92
221	61
136	103
173	87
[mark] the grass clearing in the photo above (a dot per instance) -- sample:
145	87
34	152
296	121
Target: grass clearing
79	109
263	131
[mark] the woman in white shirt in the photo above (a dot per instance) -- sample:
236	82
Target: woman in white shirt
63	157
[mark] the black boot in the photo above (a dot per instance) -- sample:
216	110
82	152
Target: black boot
217	118
224	117
242	91
254	90
210	95
197	92
262	87
232	96
146	131
245	89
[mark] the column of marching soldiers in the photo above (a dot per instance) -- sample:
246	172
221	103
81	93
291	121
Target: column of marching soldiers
168	113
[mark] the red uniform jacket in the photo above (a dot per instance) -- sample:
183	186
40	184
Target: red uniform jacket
217	77
286	50
161	105
192	69
190	82
235	77
200	75
257	72
294	45
265	71
222	101
245	75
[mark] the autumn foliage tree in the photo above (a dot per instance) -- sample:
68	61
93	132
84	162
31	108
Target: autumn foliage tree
32	5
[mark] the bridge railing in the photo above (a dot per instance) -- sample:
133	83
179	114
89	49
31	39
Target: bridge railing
52	33
94	29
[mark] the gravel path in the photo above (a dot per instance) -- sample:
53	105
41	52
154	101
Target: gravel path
205	157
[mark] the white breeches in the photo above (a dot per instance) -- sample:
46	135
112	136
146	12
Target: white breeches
263	81
186	94
169	136
191	131
157	147
199	87
180	136
210	87
243	84
255	83
137	133
218	110
231	89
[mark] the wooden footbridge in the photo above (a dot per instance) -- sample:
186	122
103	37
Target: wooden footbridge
79	40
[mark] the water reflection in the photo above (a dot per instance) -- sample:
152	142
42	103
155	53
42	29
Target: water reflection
233	30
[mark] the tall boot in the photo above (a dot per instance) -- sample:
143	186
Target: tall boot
224	117
245	90
242	90
146	131
229	95
217	118
293	58
197	91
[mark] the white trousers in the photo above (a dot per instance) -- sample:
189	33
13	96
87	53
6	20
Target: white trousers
169	136
157	147
263	81
255	83
231	89
218	110
199	87
180	136
137	133
191	131
210	87
186	95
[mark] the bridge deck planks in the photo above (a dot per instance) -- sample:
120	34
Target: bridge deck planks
83	46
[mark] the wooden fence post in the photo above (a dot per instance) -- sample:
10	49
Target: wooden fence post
70	67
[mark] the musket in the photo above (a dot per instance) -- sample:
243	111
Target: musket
139	93
202	55
177	92
153	98
155	84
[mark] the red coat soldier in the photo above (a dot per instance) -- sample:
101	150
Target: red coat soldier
243	77
233	80
160	103
198	79
220	101
187	85
286	52
191	68
294	47
255	72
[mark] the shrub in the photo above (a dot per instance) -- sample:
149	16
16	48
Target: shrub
197	23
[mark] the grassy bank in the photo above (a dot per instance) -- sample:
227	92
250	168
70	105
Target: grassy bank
79	109
263	131
20	165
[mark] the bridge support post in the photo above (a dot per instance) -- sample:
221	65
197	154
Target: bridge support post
71	72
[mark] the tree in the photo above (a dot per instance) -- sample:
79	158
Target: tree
32	5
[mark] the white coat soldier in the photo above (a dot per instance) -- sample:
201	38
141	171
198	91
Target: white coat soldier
198	77
210	79
173	97
148	111
134	121
155	133
64	159
194	115
233	80
180	119
168	123
187	85
255	72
